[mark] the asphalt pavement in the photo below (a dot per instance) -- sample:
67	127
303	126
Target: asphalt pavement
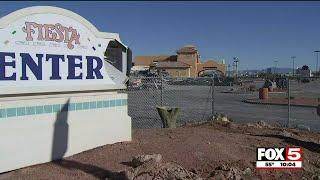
196	105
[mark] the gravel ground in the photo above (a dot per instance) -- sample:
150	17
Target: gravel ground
202	149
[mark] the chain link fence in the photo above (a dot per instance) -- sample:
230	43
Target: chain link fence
241	103
199	98
292	102
304	101
192	95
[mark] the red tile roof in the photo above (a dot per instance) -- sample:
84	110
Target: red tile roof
171	64
148	60
187	50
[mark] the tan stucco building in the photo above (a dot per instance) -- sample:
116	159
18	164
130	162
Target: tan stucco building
185	64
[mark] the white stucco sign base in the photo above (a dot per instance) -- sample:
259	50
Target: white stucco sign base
58	93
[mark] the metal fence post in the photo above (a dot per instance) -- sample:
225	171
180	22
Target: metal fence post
212	96
161	91
288	89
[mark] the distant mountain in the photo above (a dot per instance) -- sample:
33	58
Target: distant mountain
251	71
281	70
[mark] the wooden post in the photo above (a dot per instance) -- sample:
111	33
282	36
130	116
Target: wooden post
168	116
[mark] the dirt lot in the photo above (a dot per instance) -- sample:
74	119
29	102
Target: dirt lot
209	150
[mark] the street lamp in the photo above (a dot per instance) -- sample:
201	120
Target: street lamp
229	70
317	52
275	66
293	68
236	61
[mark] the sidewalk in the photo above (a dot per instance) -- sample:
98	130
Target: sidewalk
304	102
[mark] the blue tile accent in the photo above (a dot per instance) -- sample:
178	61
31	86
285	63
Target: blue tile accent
3	113
31	110
118	102
39	109
86	105
72	107
64	107
21	111
99	104
47	108
56	108
124	102
53	108
112	103
106	103
78	106
93	105
11	112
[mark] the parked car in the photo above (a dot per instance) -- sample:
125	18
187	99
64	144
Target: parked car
135	84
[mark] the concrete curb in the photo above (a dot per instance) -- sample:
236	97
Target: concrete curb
277	104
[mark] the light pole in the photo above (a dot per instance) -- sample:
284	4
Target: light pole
229	70
293	68
275	66
317	52
236	61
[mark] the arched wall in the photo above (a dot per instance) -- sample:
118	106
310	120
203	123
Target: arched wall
211	65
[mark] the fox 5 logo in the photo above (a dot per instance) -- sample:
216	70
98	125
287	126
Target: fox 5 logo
279	154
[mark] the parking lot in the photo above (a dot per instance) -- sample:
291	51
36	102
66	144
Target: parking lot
195	102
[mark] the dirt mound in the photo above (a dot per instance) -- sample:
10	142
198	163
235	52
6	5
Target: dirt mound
152	167
225	171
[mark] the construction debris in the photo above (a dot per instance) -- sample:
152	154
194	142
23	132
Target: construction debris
142	159
151	167
225	171
260	124
221	118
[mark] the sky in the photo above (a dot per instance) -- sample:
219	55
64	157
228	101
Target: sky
258	33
